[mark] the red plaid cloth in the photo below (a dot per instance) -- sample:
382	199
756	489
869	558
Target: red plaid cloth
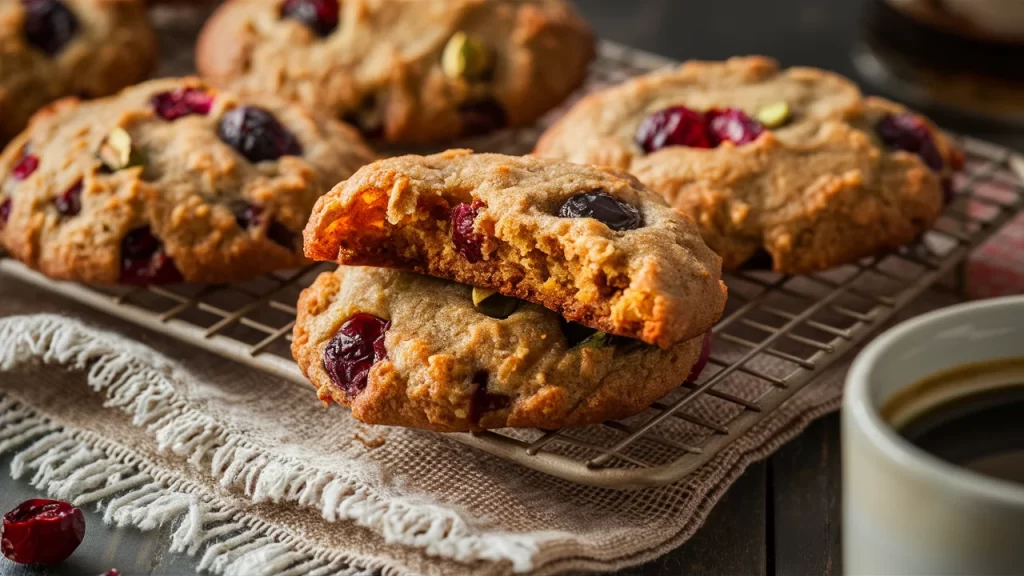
996	268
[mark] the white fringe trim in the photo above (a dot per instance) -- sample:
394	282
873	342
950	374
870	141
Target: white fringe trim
140	382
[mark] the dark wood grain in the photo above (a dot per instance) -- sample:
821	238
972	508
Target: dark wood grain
732	541
805	502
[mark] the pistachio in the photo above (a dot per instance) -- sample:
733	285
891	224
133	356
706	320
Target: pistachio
598	340
490	303
773	115
466	58
116	151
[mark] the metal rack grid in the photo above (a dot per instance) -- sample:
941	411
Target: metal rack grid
778	333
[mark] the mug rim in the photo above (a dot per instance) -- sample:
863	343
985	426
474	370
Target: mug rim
859	407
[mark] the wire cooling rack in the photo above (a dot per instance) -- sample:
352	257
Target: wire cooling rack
778	333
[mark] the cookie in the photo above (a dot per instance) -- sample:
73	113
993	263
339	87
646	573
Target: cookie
408	350
407	72
55	48
168	181
789	169
589	243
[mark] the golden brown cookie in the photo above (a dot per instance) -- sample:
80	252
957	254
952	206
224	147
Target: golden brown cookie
408	72
592	244
790	168
55	48
408	350
168	181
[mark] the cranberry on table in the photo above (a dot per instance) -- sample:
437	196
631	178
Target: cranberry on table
70	202
144	262
49	25
909	132
319	15
482	116
42	531
467	241
25	167
181	102
675	126
702	361
354	350
249	216
257	134
604	208
732	124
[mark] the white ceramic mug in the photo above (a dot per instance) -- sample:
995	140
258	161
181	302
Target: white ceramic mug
906	511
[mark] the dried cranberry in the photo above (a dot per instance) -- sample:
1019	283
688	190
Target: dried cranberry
604	208
49	25
320	15
354	350
732	124
466	240
70	202
482	401
675	126
702	361
5	212
248	216
42	531
27	164
257	134
761	260
909	132
144	262
181	102
482	116
112	572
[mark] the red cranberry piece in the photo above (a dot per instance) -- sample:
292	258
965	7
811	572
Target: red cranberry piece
467	242
27	164
354	350
112	572
144	262
909	132
70	203
49	25
481	117
42	531
5	212
675	126
705	353
733	125
320	15
248	216
181	102
604	208
482	401
257	134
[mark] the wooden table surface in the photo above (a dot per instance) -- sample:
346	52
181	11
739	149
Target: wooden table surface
782	516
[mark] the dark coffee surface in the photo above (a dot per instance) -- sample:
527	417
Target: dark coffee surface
983	432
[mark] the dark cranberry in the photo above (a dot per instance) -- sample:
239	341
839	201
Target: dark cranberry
702	361
248	216
257	134
42	531
482	116
319	15
909	132
181	102
676	126
354	350
467	242
733	125
144	262
70	202
604	208
49	25
27	164
5	212
482	401
761	260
